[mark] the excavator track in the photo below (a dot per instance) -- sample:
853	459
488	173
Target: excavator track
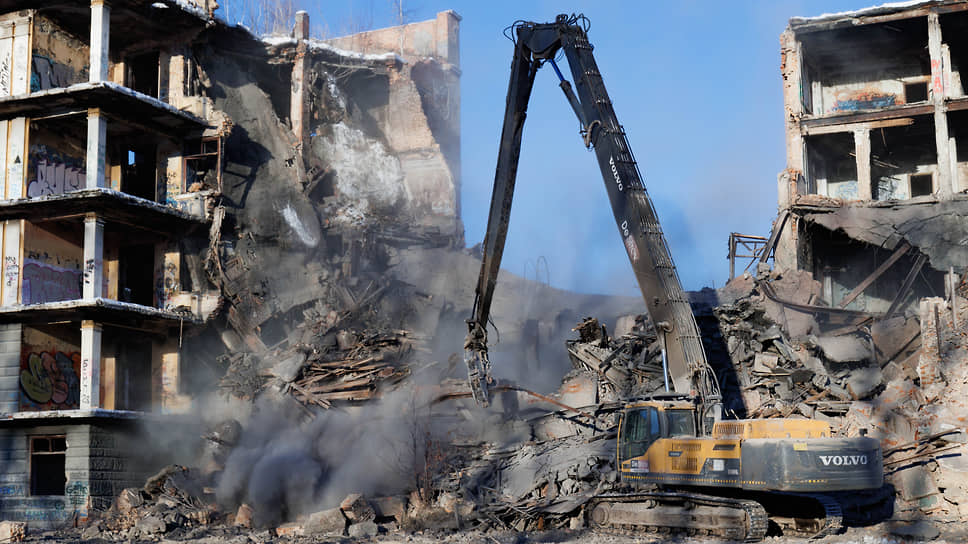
678	513
825	523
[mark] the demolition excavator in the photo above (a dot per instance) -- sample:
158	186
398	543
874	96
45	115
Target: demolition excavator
682	468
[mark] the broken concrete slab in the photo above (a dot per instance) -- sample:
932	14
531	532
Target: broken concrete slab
936	228
151	525
365	529
289	368
919	530
765	363
357	509
390	507
325	522
845	349
861	382
12	531
915	482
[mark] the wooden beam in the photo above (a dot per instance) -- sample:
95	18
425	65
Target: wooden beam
862	286
894	112
906	286
849	127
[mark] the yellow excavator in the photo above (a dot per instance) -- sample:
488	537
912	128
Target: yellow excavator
682	468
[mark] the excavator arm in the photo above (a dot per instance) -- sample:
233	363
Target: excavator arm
635	217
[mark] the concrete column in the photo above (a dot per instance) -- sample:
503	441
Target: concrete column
298	105
100	34
97	135
90	365
938	93
862	152
793	108
12	232
93	257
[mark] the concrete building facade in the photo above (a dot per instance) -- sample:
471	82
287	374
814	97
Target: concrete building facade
113	160
99	184
873	200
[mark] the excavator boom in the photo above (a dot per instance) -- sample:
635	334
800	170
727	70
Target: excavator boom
635	217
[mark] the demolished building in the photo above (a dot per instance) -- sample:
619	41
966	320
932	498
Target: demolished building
873	201
151	158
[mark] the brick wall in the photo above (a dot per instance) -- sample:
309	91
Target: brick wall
99	464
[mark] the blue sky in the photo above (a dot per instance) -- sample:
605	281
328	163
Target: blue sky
697	87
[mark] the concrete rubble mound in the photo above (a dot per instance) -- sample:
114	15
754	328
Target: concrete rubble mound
172	500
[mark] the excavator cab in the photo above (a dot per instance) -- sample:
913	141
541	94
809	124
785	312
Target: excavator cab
644	423
640	427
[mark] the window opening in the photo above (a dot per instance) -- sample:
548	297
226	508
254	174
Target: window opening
143	73
915	92
921	185
47	457
204	167
141	171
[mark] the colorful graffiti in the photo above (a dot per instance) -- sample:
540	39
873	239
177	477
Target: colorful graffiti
43	282
863	100
51	172
49	380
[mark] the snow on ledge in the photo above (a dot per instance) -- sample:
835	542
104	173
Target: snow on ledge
322	46
873	10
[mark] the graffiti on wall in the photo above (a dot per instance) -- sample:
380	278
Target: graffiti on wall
5	76
43	282
866	99
49	379
46	73
51	172
11	271
166	284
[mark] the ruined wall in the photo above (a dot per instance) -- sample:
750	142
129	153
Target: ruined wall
438	38
52	267
98	465
418	114
50	369
58	59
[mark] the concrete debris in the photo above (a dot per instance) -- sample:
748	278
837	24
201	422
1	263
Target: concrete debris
12	531
919	530
172	498
326	522
364	529
357	509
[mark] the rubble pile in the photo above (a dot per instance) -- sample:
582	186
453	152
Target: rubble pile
900	379
173	499
536	485
627	365
337	366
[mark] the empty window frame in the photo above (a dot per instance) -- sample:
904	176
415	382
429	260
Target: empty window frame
915	92
903	159
47	464
922	184
831	165
203	165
